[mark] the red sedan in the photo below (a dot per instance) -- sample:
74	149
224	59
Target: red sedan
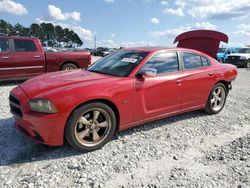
122	90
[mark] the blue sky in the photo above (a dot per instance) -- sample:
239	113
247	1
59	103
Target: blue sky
118	23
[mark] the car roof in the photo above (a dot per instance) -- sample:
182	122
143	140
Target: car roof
155	49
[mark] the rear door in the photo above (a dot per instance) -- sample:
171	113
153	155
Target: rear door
198	79
29	58
6	59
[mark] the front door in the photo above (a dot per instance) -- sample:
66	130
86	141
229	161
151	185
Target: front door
160	94
6	59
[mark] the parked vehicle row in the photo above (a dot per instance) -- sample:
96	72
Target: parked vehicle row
224	52
122	90
102	51
236	56
240	59
25	58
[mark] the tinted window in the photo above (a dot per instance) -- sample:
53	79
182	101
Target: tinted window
163	63
24	45
121	63
205	62
191	61
4	45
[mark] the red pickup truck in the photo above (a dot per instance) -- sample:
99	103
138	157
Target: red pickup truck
24	57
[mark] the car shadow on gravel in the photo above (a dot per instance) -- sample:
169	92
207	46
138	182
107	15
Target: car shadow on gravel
17	149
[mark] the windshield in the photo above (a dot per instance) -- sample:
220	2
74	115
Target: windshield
222	50
120	63
244	50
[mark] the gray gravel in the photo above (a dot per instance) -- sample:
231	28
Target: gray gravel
188	150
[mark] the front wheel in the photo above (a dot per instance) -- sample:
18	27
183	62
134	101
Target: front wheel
216	99
90	126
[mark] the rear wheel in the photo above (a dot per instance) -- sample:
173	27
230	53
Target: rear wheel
90	126
216	99
69	66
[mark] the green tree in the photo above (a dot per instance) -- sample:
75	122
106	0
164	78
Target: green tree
36	31
4	27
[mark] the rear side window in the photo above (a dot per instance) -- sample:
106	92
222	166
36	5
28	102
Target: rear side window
192	61
165	62
205	61
24	45
4	45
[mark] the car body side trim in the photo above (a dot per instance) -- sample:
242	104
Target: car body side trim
29	67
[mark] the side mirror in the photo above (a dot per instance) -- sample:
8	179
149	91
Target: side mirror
228	52
148	72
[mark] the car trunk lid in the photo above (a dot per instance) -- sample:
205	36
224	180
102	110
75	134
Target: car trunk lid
206	41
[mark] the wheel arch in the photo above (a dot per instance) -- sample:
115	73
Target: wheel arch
67	62
104	101
226	83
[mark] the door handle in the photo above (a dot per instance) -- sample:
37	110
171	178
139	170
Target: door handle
5	57
211	74
37	56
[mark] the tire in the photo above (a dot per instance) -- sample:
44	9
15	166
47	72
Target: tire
69	66
86	129
216	101
247	64
221	60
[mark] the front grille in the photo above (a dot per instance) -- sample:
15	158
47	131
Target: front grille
233	58
15	106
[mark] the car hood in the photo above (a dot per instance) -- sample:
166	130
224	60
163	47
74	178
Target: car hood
61	80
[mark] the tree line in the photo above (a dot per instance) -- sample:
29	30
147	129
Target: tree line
49	34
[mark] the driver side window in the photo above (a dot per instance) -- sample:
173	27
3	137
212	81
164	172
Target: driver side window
163	63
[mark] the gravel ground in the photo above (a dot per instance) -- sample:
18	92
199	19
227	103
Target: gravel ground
188	150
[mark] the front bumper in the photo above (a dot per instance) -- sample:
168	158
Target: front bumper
238	63
43	128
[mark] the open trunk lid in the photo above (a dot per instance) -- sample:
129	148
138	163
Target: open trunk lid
206	41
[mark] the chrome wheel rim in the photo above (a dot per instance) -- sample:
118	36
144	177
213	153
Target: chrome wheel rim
218	98
248	65
92	127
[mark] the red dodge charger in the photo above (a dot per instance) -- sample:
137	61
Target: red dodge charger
124	89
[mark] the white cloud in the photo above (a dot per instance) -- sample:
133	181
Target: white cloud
180	3
11	7
176	12
109	1
83	33
205	25
219	9
164	2
244	29
176	31
155	20
57	14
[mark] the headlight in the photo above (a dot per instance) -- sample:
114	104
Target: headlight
43	106
243	57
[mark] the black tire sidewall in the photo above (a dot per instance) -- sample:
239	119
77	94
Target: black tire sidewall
209	108
70	126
